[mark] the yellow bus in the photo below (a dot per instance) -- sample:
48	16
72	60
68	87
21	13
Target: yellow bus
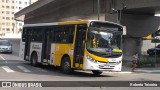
82	45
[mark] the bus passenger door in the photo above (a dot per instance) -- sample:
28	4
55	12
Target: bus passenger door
27	44
46	46
79	45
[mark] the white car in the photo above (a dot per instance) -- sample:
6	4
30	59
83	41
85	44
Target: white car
5	46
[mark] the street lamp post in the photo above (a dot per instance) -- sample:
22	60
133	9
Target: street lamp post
98	7
119	11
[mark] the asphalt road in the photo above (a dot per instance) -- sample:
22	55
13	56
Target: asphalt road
13	68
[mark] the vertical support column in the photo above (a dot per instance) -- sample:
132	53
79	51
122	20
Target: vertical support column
98	8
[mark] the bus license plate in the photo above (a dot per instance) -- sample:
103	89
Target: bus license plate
104	65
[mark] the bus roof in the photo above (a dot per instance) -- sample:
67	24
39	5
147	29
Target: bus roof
67	22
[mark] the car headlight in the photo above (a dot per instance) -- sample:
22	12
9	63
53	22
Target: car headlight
91	59
9	48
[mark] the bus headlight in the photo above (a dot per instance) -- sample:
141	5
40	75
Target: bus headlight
118	62
91	59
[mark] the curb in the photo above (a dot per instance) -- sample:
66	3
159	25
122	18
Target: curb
148	71
121	72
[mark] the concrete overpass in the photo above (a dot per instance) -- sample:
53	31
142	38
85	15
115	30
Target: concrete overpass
136	15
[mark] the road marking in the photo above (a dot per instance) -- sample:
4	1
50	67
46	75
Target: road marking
23	69
42	70
2	57
7	69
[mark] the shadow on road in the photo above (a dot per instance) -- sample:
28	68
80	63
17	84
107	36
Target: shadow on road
76	73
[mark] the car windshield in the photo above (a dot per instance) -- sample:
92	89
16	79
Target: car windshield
5	43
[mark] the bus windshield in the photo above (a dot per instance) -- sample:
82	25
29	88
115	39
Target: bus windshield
104	41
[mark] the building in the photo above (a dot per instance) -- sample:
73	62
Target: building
8	25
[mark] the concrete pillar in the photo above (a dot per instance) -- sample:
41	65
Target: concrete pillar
137	26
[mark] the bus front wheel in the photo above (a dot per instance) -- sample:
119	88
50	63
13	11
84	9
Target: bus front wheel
34	59
66	65
96	72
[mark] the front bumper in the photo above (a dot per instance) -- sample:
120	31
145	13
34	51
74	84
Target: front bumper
8	51
110	66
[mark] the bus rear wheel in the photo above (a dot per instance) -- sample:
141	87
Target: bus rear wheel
97	72
34	59
66	65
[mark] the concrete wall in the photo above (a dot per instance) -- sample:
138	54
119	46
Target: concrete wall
71	11
137	26
133	4
140	25
130	46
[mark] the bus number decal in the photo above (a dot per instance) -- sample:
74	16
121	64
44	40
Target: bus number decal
57	48
71	52
38	48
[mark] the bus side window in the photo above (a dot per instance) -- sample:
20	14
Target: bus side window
57	35
33	34
24	34
70	40
52	35
71	33
63	34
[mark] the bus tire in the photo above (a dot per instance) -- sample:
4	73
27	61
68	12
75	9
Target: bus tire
97	72
34	59
66	65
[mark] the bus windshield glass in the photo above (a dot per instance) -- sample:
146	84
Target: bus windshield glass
104	39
